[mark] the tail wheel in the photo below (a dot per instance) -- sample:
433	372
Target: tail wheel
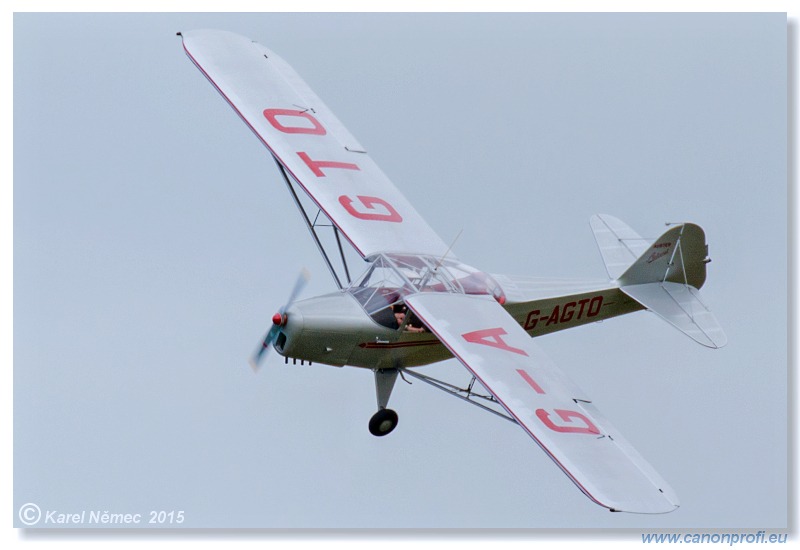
382	422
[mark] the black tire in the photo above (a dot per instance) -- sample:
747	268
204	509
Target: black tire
383	422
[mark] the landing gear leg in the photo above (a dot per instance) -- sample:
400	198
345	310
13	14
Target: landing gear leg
385	420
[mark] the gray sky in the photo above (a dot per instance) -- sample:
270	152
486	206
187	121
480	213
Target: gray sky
153	241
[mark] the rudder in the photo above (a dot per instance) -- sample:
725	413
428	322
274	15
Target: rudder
679	255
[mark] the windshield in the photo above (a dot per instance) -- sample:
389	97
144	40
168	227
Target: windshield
390	277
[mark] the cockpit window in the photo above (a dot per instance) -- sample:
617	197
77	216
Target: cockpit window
391	277
380	286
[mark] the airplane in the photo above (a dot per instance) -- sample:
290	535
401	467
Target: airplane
415	303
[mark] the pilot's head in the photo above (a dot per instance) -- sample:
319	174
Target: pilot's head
399	311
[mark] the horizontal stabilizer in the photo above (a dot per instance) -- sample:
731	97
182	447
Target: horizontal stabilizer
619	245
681	306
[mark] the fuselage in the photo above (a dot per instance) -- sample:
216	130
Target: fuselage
337	330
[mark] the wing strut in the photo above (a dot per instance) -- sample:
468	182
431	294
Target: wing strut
312	227
457	392
341	253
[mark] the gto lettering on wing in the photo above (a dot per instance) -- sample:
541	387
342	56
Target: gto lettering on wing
564	313
362	207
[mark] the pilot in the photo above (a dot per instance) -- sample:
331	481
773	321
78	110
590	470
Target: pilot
400	312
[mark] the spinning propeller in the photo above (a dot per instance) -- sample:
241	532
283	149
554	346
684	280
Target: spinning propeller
278	320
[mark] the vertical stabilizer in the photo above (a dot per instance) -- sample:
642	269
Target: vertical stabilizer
677	256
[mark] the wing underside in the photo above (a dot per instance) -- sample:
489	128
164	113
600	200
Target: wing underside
544	402
311	144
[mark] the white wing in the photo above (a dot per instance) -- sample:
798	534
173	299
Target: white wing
311	144
545	402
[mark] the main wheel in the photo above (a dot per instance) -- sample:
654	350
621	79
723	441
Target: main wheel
382	422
